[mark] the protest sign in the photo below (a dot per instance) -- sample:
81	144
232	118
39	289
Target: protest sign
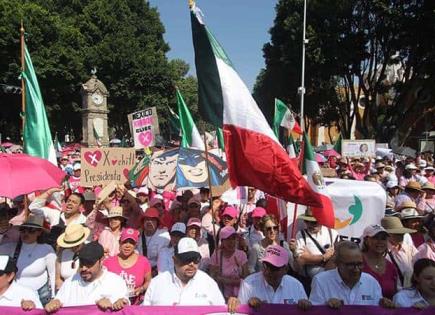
264	309
138	175
358	148
192	169
144	126
101	166
162	168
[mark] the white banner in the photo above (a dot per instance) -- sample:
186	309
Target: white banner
358	148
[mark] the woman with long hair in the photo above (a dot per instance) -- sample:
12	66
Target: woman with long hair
422	294
375	248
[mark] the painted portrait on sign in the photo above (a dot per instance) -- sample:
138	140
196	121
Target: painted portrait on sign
162	170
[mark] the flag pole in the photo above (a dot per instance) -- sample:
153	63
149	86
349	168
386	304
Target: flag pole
301	89
210	192
23	87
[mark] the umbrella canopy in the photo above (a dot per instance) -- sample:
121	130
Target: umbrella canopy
331	152
24	174
320	158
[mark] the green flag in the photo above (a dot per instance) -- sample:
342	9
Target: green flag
37	136
337	145
174	123
284	117
220	138
190	134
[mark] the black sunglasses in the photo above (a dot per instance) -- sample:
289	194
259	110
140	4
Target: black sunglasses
195	260
274	228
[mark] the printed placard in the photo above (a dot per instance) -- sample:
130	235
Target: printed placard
358	148
144	126
101	166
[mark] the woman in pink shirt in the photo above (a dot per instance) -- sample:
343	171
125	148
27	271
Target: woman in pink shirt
228	265
109	237
135	269
427	249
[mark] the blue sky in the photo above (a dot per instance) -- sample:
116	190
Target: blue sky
241	26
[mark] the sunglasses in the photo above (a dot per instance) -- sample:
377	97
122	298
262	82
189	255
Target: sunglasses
272	228
196	261
28	230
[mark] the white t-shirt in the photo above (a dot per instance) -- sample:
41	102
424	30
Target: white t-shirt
328	284
167	289
74	291
155	243
53	216
290	290
66	264
408	297
16	293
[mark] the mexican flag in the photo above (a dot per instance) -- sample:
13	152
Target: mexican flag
190	135
325	213
284	118
36	135
254	155
337	145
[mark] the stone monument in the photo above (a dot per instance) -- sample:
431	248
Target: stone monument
94	112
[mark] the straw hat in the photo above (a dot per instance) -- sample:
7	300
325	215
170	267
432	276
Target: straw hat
406	204
75	234
413	185
428	186
393	225
307	216
410	213
115	212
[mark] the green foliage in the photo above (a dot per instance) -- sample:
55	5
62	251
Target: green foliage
355	47
122	39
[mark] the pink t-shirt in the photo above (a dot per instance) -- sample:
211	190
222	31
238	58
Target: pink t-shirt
109	241
231	267
426	250
134	276
387	281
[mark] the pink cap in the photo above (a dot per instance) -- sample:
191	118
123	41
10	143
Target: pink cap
143	190
226	232
258	212
129	233
194	221
230	211
276	256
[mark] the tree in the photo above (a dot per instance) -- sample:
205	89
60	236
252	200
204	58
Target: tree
380	51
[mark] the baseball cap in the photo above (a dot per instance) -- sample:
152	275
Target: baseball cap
7	264
143	191
194	222
411	166
258	212
230	211
392	184
372	230
90	253
152	213
226	232
77	166
129	233
187	250
178	228
276	256
422	163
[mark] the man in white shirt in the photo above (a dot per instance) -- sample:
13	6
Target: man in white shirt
92	284
346	284
271	285
12	293
185	285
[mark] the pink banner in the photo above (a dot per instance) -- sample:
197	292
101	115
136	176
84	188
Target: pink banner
266	309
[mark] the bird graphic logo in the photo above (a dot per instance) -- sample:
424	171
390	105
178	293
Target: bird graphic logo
355	210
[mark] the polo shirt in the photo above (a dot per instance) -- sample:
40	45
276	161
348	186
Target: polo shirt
290	290
167	289
16	293
408	297
328	284
74	291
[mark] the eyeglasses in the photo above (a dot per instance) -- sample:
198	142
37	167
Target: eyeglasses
353	265
28	230
272	228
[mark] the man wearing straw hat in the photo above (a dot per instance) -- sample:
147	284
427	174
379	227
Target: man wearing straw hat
412	192
429	198
315	245
399	253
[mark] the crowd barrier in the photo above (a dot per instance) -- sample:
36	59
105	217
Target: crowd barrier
266	309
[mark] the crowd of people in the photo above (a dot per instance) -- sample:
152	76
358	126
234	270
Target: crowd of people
116	245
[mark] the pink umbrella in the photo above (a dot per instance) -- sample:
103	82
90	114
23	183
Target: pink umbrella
23	174
331	152
320	158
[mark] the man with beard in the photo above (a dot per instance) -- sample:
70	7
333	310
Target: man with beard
185	285
92	284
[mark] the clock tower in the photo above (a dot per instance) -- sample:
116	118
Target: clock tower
94	112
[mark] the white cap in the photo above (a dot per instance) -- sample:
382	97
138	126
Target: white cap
422	163
179	227
429	168
187	245
77	166
392	184
411	166
143	190
4	259
372	230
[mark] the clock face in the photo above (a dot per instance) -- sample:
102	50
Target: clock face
97	99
